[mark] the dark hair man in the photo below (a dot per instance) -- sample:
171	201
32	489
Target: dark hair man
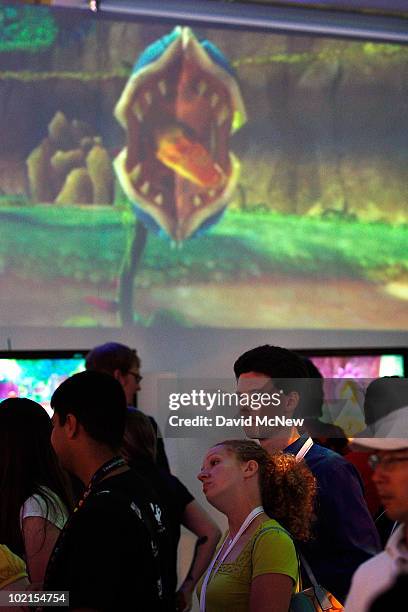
387	439
344	533
107	554
123	363
383	395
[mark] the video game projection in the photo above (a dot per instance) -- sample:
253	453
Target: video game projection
152	174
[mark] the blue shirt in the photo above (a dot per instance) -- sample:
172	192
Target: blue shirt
344	533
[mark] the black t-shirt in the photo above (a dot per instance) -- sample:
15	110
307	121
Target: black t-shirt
174	497
161	458
107	556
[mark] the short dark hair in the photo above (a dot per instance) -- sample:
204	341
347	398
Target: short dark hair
384	395
312	392
280	364
112	356
98	402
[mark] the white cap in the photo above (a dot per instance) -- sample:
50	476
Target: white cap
388	433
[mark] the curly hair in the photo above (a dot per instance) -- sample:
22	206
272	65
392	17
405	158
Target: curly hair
288	487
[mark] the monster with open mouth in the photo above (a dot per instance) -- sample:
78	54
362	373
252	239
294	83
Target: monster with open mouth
179	108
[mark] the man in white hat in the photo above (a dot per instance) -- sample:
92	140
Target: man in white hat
388	439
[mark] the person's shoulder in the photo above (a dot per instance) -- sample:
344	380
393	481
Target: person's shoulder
325	454
270	525
327	459
152	420
45	504
128	482
369	580
329	467
125	486
374	570
34	503
271	530
124	497
109	509
273	551
12	568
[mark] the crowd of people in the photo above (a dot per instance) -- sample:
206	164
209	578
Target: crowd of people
89	505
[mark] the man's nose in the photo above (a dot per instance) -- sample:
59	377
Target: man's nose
379	474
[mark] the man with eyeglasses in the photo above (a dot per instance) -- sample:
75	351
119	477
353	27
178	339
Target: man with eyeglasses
123	363
389	460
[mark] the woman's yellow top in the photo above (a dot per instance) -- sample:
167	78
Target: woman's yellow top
270	550
12	568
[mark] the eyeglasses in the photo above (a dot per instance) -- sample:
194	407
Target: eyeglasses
138	378
388	463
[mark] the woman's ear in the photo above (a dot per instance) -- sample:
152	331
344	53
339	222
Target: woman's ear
251	468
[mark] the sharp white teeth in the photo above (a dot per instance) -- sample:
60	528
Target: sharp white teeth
211	193
197	201
134	175
214	100
145	188
222	115
162	87
138	111
148	97
202	87
159	199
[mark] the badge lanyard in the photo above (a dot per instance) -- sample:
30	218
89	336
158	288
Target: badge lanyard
251	517
305	448
106	468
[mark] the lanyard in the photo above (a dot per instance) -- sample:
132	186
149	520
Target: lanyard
304	449
251	516
105	469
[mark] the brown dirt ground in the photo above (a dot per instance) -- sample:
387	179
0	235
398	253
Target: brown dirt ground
274	302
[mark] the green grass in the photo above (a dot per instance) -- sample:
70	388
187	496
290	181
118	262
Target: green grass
87	243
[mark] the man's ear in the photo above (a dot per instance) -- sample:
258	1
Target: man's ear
251	468
117	374
293	398
71	426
